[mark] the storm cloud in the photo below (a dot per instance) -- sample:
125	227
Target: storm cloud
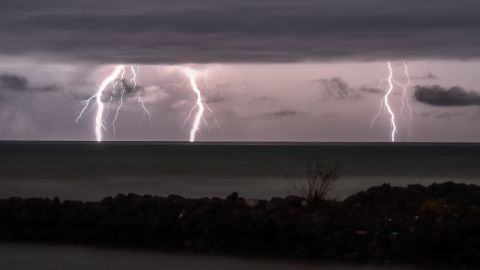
437	95
13	82
277	114
283	113
372	90
124	89
427	76
16	83
149	31
336	89
449	115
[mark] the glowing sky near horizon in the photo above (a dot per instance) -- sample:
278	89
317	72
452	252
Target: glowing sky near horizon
251	102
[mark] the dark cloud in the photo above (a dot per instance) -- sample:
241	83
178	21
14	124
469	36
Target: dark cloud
424	114
336	89
442	115
436	95
283	113
123	89
215	98
279	113
428	76
48	88
449	115
15	82
262	99
148	31
372	90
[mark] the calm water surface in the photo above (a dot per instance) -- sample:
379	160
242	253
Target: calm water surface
42	257
91	171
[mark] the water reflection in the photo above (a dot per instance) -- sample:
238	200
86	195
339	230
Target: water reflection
43	257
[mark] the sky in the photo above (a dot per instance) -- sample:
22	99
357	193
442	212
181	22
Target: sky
279	70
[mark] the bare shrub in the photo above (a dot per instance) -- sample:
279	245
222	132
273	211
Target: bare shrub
317	181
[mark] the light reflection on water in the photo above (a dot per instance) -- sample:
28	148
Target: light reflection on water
48	257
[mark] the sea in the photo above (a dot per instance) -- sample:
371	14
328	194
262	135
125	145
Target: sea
91	171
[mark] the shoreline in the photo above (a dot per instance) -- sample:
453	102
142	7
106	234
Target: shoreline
436	224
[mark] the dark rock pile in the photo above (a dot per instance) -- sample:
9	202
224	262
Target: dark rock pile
435	224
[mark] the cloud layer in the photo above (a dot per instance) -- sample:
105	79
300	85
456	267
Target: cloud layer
437	95
148	31
336	89
15	82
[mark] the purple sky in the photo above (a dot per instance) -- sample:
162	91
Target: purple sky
270	71
250	102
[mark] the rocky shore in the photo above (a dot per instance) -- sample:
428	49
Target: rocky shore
438	224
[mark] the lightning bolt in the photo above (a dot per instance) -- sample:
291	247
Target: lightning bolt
405	103
385	103
100	106
120	105
199	105
139	99
374	119
112	79
86	104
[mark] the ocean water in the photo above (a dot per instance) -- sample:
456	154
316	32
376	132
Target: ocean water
91	171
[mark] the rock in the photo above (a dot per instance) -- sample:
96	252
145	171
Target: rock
320	219
354	256
175	198
274	204
252	203
232	197
294	201
405	224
